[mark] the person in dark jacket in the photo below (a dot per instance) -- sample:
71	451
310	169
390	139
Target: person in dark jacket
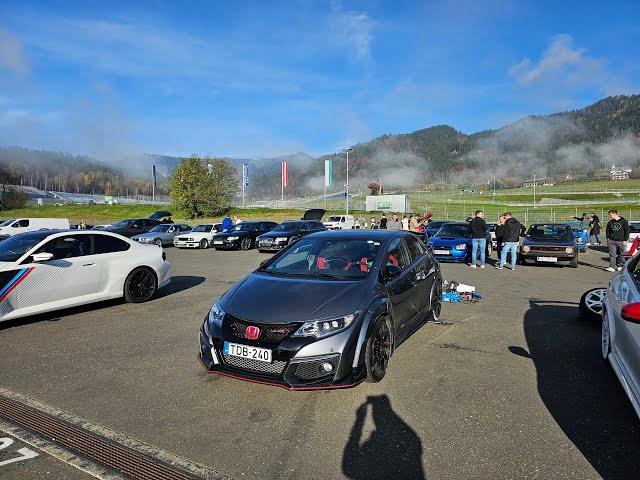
617	235
478	228
594	225
581	219
499	235
383	222
512	231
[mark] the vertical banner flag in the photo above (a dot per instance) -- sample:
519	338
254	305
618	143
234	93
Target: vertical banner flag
285	174
245	174
153	175
328	173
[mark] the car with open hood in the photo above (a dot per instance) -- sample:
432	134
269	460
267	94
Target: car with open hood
162	234
200	237
326	312
581	233
549	243
242	236
50	270
291	230
452	242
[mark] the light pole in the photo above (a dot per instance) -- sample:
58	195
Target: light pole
347	184
534	190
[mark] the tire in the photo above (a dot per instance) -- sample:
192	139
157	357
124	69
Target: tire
591	303
158	242
574	262
141	284
436	300
204	244
245	244
378	351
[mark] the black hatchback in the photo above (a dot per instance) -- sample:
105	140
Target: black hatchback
242	236
326	312
286	233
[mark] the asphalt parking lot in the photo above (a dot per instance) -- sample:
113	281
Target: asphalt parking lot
510	387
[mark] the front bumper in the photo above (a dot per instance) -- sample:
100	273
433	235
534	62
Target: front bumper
533	255
295	364
186	244
226	244
453	256
267	246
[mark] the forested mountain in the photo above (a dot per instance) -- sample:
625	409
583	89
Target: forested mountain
577	142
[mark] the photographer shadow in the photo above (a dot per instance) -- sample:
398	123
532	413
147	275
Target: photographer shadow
393	450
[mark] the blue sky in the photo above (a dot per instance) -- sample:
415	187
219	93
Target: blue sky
258	79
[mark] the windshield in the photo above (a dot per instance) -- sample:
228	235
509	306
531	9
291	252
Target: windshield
333	219
243	227
161	228
325	257
15	247
453	230
6	222
203	228
123	223
435	225
286	227
577	228
549	233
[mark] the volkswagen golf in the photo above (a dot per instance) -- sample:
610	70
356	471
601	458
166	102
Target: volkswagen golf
328	311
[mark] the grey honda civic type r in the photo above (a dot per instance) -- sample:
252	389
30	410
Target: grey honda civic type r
326	312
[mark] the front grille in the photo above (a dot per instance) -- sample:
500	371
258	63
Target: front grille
269	334
548	249
274	368
266	242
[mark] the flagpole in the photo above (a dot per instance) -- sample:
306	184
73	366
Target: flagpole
282	182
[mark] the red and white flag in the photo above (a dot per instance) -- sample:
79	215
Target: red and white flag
285	174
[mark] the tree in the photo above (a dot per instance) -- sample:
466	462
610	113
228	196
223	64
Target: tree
203	188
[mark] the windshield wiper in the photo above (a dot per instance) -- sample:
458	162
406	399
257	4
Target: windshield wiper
326	275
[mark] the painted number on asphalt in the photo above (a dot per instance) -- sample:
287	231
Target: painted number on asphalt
25	453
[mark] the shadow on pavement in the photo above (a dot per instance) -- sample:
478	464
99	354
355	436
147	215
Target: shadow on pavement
580	390
178	284
393	450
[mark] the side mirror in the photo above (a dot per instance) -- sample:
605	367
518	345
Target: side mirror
390	271
42	257
631	312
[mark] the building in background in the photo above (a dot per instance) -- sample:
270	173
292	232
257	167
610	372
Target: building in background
620	173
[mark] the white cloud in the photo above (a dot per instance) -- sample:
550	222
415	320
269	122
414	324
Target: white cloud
561	62
352	30
12	55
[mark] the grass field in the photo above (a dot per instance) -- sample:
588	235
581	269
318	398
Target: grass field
553	203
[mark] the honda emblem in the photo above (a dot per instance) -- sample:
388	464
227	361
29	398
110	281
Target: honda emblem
252	333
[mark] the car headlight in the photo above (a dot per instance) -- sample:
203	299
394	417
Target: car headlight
216	314
569	249
323	328
233	238
282	239
462	246
526	248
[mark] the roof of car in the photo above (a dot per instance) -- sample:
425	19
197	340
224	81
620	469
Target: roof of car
364	234
555	224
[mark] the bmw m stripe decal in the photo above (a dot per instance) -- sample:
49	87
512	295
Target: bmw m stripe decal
14	282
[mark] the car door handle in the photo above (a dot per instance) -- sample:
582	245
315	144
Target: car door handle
88	264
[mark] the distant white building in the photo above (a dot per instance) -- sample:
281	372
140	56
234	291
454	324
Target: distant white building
620	173
547	182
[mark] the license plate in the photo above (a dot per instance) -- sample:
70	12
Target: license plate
441	252
245	351
218	242
547	259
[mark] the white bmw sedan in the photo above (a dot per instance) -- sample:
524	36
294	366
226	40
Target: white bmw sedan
49	270
621	329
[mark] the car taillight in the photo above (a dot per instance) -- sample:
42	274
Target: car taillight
164	257
631	312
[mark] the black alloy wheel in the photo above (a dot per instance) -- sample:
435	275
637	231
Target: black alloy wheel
204	244
245	244
436	300
140	285
378	351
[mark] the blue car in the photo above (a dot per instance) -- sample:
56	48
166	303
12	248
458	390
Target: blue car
433	226
451	242
580	233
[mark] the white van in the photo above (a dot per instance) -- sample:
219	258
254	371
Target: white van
21	225
340	222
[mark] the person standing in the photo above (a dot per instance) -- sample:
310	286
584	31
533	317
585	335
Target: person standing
227	223
594	225
617	234
373	225
383	222
414	224
512	230
499	236
478	228
405	223
395	223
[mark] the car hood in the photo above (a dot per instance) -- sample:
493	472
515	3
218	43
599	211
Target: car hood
264	298
273	234
528	241
193	234
223	235
314	214
149	234
448	241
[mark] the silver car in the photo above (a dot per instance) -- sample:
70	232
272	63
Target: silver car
621	329
162	234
